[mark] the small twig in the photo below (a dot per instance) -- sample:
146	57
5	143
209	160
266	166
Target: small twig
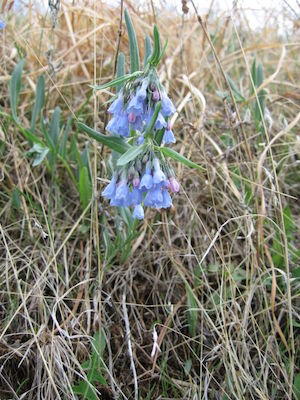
128	334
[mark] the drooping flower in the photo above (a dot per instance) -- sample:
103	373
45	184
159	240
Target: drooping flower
158	176
147	179
167	107
110	190
169	137
138	212
122	191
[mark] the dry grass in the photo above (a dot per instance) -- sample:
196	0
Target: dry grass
215	276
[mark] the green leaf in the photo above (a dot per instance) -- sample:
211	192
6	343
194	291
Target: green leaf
120	70
178	157
192	313
237	95
118	81
113	142
163	51
39	101
63	143
54	126
159	136
297	386
15	86
133	45
40	151
153	119
85	187
130	154
148	50
157	47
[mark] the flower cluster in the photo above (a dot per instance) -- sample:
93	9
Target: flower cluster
134	108
147	179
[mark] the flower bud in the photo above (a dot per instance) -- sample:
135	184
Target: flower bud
131	117
131	172
174	185
136	182
156	95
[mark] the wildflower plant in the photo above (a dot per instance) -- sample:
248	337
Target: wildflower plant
140	132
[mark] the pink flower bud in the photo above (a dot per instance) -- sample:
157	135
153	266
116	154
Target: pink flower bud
136	182
131	117
174	185
155	95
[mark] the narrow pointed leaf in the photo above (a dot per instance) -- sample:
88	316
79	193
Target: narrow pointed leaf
113	142
178	157
54	126
15	86
39	101
153	119
148	50
63	143
130	155
118	81
120	70
133	45
85	187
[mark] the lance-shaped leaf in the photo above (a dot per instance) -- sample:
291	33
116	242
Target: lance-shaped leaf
15	86
153	119
130	155
115	143
120	70
39	101
133	45
148	50
178	157
157	47
118	81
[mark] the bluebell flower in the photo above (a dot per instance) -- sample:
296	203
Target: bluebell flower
119	125
147	179
154	197
167	107
141	93
137	124
110	190
158	176
169	137
122	191
136	106
167	200
2	24
136	196
160	122
138	212
116	106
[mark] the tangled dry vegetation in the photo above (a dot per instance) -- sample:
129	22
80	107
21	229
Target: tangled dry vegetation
216	277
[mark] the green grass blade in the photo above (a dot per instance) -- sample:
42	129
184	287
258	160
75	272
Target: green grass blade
39	101
133	44
15	86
